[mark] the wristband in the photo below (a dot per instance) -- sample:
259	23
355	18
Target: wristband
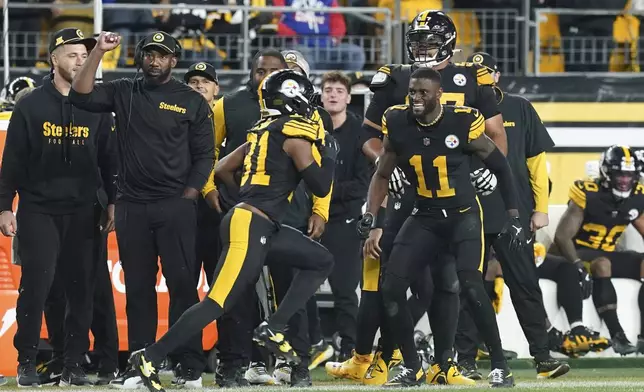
380	218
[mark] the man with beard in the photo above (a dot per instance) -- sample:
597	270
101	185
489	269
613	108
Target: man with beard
53	156
166	152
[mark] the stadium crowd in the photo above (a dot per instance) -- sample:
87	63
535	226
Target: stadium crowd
275	174
348	41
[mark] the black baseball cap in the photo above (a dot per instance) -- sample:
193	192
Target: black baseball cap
161	40
202	69
484	59
70	36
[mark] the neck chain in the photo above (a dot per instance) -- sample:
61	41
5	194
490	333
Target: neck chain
440	114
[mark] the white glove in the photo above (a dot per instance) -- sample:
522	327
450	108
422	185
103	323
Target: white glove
397	183
483	181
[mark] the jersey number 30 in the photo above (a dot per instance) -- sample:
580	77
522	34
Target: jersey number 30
440	163
257	153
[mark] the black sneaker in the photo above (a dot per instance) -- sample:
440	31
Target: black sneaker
105	377
469	369
552	368
27	376
407	378
146	370
188	378
501	378
640	344
621	344
74	376
127	379
300	376
275	342
230	376
51	371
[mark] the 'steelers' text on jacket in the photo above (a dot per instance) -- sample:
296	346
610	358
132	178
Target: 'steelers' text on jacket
164	135
56	156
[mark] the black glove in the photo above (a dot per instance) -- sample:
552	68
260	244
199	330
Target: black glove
365	224
515	233
330	149
585	282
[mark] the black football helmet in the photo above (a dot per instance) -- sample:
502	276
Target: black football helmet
286	92
431	38
9	93
619	170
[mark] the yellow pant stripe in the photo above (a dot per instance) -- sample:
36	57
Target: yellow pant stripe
235	256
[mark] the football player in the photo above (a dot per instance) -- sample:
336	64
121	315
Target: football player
282	148
431	41
597	215
432	144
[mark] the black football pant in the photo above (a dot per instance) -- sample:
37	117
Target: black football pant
247	238
341	239
51	243
565	274
425	236
520	275
103	327
371	315
164	229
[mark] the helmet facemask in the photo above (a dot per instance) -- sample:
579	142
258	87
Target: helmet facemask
428	49
621	177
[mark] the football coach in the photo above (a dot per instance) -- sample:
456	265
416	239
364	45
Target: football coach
166	152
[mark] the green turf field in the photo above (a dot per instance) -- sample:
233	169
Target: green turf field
610	375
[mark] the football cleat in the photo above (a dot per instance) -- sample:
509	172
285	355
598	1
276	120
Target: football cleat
501	378
469	369
407	378
447	374
353	368
146	370
621	344
552	368
258	375
378	371
396	359
640	344
320	353
276	343
581	340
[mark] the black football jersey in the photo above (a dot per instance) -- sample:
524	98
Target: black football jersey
605	218
435	158
269	176
464	84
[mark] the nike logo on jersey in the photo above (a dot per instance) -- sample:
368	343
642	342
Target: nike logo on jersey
349	220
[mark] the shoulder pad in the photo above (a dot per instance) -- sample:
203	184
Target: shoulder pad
302	128
480	73
384	75
475	119
579	190
388	114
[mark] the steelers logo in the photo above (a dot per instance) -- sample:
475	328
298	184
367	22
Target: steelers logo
200	67
79	34
451	141
459	80
633	214
477	59
158	37
290	88
291	57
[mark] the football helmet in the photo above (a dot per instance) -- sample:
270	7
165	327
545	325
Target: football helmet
619	170
431	38
9	93
286	92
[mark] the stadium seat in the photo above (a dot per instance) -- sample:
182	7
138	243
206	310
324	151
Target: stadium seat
552	59
626	35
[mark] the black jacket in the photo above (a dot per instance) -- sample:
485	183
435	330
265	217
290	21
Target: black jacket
53	152
352	171
164	133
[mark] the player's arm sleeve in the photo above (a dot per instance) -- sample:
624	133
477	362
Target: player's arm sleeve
322	205
477	126
202	147
101	99
577	195
381	85
107	156
220	134
16	151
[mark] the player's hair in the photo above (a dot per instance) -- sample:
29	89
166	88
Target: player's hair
427	73
268	52
336	77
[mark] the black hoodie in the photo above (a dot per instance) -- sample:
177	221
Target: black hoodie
56	156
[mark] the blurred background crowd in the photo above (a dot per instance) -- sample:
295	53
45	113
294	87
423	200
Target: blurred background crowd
574	40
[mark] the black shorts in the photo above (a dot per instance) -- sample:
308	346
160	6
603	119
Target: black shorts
428	234
626	264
